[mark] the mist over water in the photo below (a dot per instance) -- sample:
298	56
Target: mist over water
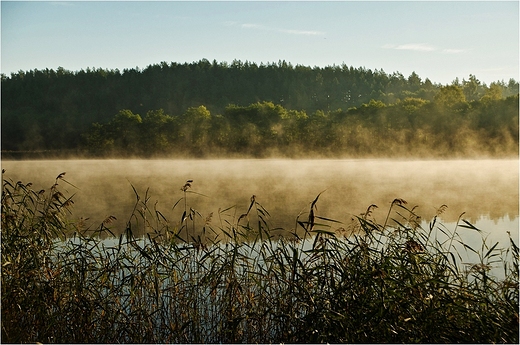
486	190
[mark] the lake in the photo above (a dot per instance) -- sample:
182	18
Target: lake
486	190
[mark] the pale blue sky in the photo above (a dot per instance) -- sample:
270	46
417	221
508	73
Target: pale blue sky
438	40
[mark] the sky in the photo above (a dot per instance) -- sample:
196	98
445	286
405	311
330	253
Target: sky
440	40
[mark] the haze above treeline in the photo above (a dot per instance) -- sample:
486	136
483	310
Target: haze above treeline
217	109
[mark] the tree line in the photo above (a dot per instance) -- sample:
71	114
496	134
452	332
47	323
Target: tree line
412	127
205	108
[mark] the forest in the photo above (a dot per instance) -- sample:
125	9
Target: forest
204	109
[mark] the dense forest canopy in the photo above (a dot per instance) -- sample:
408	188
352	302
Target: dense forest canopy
209	108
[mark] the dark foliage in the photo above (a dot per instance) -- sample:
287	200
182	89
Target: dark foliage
47	110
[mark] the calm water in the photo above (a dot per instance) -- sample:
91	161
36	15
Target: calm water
486	190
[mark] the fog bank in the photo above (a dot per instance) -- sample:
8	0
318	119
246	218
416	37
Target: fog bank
480	188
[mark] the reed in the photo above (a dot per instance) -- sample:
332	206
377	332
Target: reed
236	280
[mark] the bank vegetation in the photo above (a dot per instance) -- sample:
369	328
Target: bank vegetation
228	279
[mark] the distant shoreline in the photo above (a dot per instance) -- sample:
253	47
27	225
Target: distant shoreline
75	154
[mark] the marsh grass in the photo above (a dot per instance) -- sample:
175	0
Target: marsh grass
234	279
